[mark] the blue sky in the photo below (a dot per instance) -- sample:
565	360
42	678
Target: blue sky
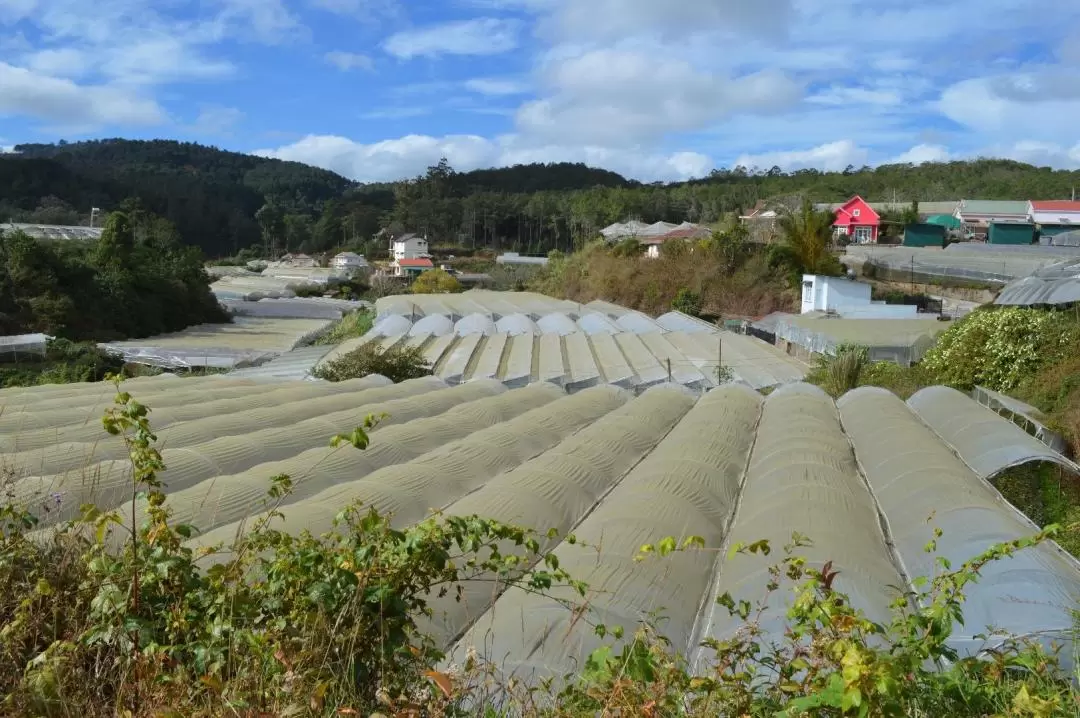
656	89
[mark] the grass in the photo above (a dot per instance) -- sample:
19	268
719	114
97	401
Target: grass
325	626
1047	494
352	325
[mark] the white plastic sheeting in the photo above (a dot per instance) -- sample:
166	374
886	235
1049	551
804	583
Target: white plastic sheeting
286	308
515	324
436	350
679	322
582	364
490	357
296	364
1057	283
986	442
647	369
803	478
637	323
596	323
555	490
556	323
475	300
683	370
437	324
915	477
392	325
475	324
432	481
611	361
519	361
20	344
456	361
751	360
687	486
550	359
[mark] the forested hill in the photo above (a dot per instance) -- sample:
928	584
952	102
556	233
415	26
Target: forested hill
225	201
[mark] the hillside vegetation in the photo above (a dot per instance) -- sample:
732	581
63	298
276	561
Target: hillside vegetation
224	201
136	281
287	625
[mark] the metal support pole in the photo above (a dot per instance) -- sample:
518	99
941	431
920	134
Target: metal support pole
669	369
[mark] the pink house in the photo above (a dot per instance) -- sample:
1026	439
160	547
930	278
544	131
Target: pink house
858	220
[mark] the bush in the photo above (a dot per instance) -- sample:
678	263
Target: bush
352	325
1000	348
841	373
687	302
436	281
65	362
393	363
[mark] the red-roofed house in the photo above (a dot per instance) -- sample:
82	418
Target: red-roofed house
1054	213
411	267
857	220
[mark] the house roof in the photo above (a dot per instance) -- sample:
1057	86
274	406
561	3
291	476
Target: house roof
860	200
415	263
347	255
694	232
406	237
1055	205
993	207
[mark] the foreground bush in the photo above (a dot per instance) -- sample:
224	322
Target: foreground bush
393	363
1001	348
285	625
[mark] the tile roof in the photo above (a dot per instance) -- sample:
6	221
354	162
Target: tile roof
1055	206
415	263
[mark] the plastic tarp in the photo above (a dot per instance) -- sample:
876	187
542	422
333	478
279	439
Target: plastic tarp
1057	284
410	490
637	323
515	324
596	323
436	350
392	325
489	357
209	498
802	477
437	324
556	323
915	477
986	442
519	361
606	308
287	308
683	370
23	344
416	341
456	361
100	472
647	369
475	324
687	486
582	364
611	361
751	360
474	301
550	359
296	364
555	491
44	438
679	322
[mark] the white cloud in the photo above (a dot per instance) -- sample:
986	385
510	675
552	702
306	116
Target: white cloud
921	154
411	155
671	20
346	61
61	62
855	96
217	120
496	86
999	109
364	10
833	156
25	93
479	36
612	96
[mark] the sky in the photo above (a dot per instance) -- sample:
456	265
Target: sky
378	90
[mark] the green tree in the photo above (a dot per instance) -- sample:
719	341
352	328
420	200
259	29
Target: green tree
807	234
436	281
687	302
117	241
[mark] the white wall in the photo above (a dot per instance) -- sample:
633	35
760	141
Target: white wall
830	293
414	248
1056	217
879	311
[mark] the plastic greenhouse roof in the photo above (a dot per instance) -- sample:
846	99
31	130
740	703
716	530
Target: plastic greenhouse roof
615	469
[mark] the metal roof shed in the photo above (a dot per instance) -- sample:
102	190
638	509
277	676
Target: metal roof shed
924	235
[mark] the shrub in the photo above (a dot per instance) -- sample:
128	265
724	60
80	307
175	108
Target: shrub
840	373
1000	348
436	281
393	363
352	325
687	302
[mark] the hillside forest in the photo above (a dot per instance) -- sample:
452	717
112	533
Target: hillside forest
224	202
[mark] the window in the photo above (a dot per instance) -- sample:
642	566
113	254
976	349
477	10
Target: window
863	235
808	292
855	212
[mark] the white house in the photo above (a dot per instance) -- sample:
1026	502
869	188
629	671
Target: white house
349	260
849	299
408	246
1054	213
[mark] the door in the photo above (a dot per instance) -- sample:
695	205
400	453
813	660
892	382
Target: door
863	235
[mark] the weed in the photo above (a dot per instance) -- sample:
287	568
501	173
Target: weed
396	364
